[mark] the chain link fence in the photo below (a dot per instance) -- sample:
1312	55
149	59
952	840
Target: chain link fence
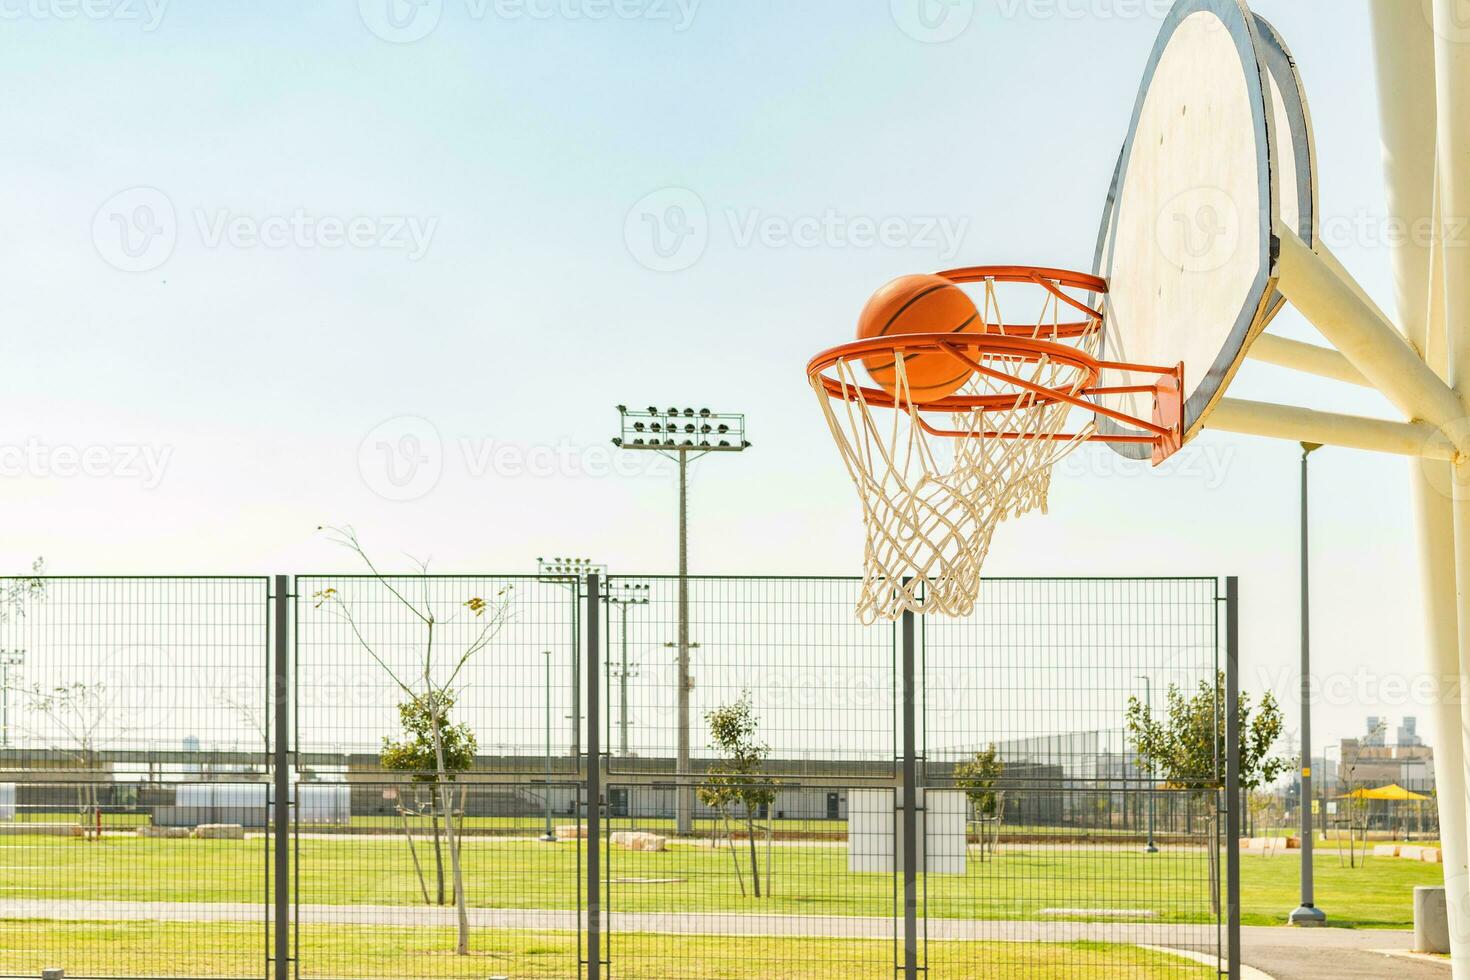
782	791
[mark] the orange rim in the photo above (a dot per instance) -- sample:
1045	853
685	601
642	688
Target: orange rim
1019	343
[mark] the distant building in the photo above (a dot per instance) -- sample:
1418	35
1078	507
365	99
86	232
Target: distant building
1369	761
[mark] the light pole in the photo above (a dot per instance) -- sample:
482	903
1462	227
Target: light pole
546	794
572	572
676	433
1306	914
1148	697
631	595
8	659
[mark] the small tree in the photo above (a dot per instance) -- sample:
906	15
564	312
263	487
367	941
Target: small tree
413	753
80	713
434	672
1354	805
17	593
977	776
736	778
1187	748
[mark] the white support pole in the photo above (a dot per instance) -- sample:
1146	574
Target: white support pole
1368	340
1404	49
1295	424
1324	362
1452	65
1452	68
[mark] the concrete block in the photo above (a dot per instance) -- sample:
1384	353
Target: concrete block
638	841
219	831
1431	920
167	832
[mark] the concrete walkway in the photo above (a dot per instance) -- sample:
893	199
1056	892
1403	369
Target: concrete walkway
1335	954
1281	953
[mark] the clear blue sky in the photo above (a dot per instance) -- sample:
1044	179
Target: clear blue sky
244	376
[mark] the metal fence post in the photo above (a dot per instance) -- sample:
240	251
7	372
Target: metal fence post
281	762
1232	773
910	804
592	633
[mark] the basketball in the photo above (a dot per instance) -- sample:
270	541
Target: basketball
918	304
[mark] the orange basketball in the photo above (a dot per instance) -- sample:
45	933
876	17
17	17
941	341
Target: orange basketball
919	304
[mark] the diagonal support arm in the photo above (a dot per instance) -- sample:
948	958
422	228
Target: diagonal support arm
1366	338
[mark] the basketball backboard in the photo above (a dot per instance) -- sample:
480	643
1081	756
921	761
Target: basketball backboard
1219	148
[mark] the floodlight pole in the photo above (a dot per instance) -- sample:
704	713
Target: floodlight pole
685	822
1306	914
550	835
638	597
1148	697
676	433
571	572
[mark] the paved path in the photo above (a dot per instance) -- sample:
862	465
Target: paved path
1281	953
1335	954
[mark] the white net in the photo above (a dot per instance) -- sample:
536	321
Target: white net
935	485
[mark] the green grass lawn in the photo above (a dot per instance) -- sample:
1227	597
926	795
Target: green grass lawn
230	950
809	878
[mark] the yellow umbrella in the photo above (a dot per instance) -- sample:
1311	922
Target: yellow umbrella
1393	791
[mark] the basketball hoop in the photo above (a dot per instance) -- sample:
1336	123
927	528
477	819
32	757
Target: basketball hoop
937	476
